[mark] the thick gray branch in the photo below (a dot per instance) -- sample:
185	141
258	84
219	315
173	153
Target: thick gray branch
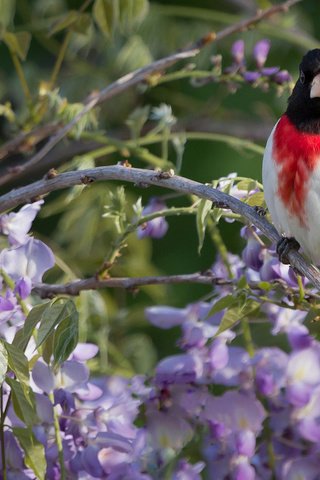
162	179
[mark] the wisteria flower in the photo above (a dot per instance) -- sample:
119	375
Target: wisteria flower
17	225
237	51
156	228
261	51
27	263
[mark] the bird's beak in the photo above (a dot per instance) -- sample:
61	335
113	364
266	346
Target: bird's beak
315	87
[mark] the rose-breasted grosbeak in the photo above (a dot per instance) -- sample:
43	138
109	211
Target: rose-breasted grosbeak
291	163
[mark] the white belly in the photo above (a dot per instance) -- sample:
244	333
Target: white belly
287	223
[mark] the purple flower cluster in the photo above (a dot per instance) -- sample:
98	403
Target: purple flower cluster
249	412
260	54
238	71
23	263
269	391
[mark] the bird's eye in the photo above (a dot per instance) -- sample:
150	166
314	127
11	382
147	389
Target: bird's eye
302	77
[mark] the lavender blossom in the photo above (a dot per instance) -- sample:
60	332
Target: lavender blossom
261	51
251	77
17	225
237	51
156	228
27	263
283	77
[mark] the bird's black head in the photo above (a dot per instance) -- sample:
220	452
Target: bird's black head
304	103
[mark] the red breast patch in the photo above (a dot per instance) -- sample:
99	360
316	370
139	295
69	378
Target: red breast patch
296	153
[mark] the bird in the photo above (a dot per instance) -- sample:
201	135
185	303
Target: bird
291	166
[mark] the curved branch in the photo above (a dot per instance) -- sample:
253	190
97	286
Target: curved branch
142	178
141	74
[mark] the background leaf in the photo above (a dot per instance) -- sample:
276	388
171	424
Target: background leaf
3	362
7	11
23	335
23	402
235	314
52	316
202	220
33	450
66	337
106	15
18	363
18	43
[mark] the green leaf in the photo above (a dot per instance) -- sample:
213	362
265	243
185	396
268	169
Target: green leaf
137	119
247	184
33	449
116	209
265	286
73	20
216	214
221	304
23	402
236	314
52	316
23	335
132	11
7	11
83	24
229	319
109	14
242	282
18	43
3	362
256	200
106	15
66	338
18	363
47	348
202	220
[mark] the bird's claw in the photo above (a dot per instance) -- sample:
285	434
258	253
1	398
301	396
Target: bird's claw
284	246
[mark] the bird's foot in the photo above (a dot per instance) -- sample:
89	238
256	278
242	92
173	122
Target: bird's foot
262	212
284	246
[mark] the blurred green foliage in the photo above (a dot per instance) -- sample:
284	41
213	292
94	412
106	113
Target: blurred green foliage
55	53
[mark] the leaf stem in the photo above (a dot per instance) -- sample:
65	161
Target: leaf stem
220	245
60	58
113	145
301	288
246	331
58	439
120	241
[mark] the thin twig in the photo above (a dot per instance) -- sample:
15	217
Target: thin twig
162	179
26	141
260	15
143	73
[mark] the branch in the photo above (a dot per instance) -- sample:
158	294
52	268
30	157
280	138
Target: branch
260	15
93	283
45	290
142	177
143	73
25	141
